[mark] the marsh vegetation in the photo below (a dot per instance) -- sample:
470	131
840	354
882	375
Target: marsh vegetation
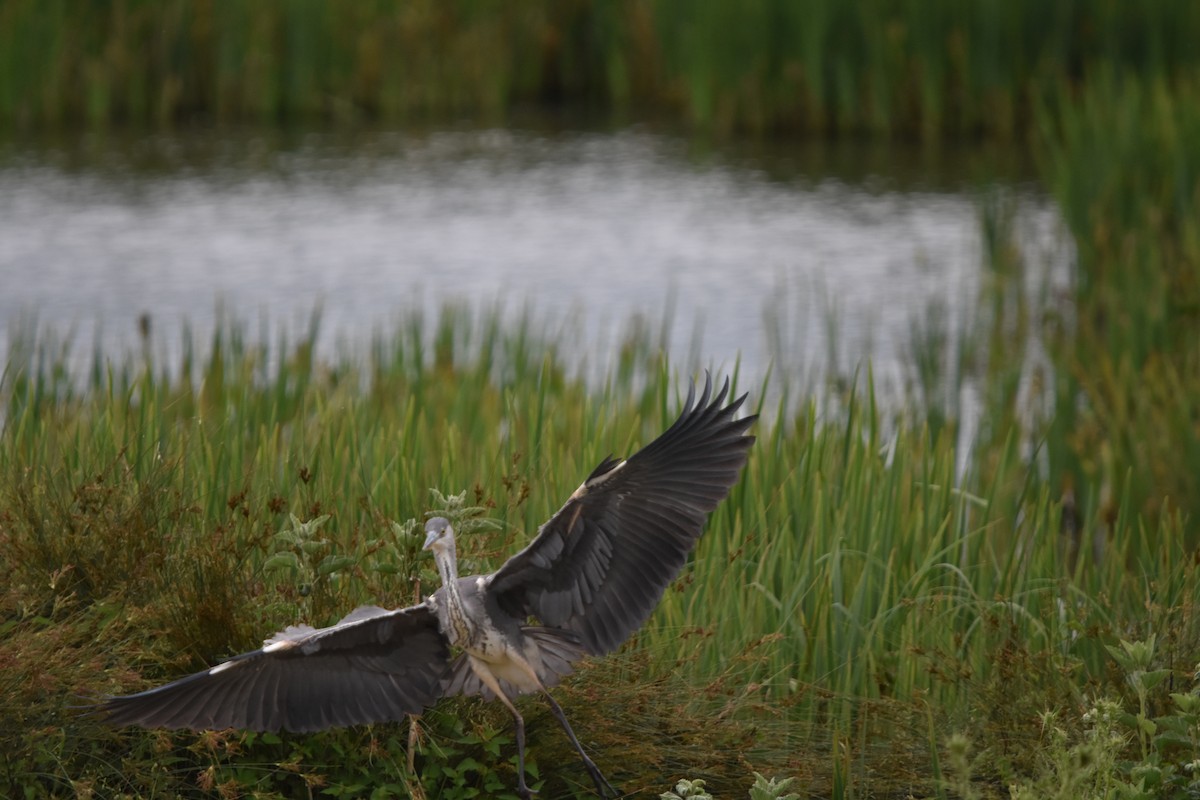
882	607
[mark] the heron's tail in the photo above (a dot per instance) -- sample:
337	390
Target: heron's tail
556	650
559	648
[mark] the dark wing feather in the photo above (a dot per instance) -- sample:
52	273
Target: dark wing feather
374	665
600	565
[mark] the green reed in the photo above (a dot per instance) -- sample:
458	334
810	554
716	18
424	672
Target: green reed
1122	161
891	67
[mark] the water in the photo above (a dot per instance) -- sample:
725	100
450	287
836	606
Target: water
813	258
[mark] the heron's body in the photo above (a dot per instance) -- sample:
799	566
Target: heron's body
592	575
494	642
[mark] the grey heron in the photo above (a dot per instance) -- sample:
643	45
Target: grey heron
587	581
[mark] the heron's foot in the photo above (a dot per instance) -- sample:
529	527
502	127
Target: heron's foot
603	787
523	790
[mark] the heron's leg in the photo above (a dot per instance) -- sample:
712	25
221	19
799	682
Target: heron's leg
489	680
522	789
603	787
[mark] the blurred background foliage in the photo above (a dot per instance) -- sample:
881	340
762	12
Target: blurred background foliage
932	69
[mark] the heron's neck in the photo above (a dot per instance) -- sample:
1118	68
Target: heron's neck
447	567
457	626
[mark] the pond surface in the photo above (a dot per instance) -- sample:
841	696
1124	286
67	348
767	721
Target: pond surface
812	257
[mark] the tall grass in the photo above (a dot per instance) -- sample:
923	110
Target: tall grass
853	593
1123	161
892	67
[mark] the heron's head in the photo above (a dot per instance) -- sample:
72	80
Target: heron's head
439	535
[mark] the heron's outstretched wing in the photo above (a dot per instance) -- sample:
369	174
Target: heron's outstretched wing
372	666
599	566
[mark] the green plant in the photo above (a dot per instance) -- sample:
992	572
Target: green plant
771	788
1136	660
295	550
1083	769
1093	763
685	788
763	789
958	758
460	759
1168	745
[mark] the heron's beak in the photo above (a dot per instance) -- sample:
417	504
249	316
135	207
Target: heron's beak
430	538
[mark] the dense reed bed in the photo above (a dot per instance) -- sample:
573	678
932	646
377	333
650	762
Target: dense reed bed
1123	161
893	67
853	603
